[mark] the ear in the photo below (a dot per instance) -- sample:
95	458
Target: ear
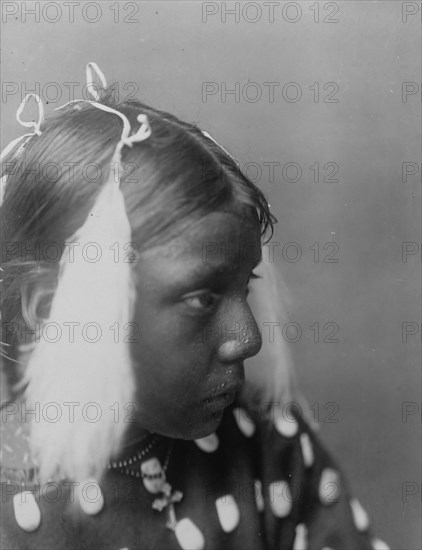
35	303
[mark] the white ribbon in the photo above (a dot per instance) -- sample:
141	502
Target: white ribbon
32	124
25	138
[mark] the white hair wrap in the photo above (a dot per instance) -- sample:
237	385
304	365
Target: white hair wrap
87	372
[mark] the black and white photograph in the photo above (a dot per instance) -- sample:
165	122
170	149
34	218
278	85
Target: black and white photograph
210	275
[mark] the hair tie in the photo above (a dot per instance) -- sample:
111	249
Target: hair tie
32	124
26	137
90	82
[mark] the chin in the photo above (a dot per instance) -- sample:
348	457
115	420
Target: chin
208	425
197	428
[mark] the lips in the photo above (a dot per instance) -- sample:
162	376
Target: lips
224	393
217	403
225	387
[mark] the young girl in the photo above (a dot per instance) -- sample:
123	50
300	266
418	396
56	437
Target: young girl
130	242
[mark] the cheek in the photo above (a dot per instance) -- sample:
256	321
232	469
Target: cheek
170	368
169	345
169	399
172	363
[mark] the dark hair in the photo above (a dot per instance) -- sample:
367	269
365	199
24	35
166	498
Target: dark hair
169	181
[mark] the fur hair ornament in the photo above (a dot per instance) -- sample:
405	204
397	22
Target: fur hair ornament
83	373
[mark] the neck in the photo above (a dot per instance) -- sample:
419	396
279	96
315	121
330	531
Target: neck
135	436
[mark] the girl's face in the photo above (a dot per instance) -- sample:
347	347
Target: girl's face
194	325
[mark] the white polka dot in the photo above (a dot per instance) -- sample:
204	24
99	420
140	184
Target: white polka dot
286	426
27	512
188	535
307	450
259	499
360	517
228	513
90	496
280	498
378	544
329	486
208	444
244	421
301	538
326	548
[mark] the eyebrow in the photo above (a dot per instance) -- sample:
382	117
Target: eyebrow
207	270
205	275
231	257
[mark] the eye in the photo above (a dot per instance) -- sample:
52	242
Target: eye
253	276
204	300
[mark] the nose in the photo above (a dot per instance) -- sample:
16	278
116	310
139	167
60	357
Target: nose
240	334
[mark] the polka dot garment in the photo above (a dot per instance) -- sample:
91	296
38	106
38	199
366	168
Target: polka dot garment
257	483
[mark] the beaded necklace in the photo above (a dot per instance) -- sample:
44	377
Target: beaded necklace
153	476
122	465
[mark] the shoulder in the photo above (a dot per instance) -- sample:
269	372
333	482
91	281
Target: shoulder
304	496
25	503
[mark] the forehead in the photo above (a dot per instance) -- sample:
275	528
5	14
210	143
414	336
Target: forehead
218	239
